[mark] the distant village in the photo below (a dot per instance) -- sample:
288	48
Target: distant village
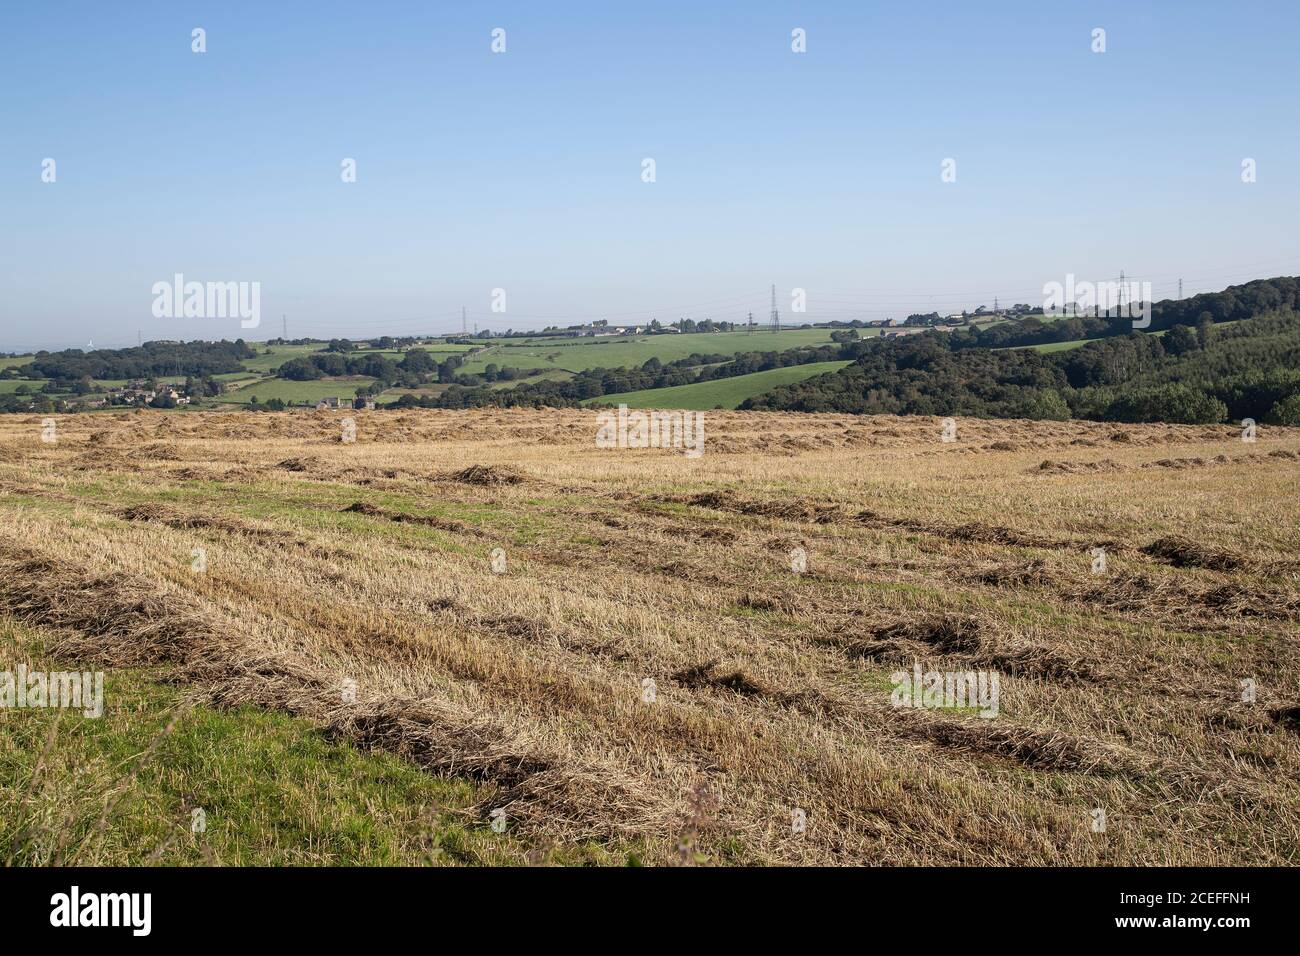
140	395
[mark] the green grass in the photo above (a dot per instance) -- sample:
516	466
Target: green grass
725	392
297	392
577	355
278	355
10	385
553	375
1061	346
274	791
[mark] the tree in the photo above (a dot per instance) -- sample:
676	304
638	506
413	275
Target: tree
300	369
1205	330
1286	412
1173	402
1181	339
417	362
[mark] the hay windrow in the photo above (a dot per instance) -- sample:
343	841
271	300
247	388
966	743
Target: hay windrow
174	518
300	465
401	517
709	674
487	475
1035	749
1184	553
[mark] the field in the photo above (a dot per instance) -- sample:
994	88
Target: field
271	357
723	392
1060	346
297	392
650	677
576	355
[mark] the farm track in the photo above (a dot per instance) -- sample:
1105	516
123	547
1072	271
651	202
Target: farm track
370	561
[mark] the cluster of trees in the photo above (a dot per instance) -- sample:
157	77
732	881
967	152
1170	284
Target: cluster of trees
922	375
1192	374
415	368
39	403
150	359
270	405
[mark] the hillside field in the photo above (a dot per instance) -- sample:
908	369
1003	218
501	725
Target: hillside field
578	354
646	673
723	392
290	391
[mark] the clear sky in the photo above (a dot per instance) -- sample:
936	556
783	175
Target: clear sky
523	170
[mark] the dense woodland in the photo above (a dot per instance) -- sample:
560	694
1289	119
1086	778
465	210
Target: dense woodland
1201	374
153	359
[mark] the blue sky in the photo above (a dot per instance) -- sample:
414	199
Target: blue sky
522	170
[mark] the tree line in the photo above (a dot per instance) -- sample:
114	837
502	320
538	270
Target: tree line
152	359
1203	374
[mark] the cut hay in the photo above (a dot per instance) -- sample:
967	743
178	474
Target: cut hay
401	517
792	509
487	475
305	463
1287	717
1052	467
161	514
774	687
1185	553
1051	751
709	675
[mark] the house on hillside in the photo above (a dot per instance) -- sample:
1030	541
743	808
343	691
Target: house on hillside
363	404
327	404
